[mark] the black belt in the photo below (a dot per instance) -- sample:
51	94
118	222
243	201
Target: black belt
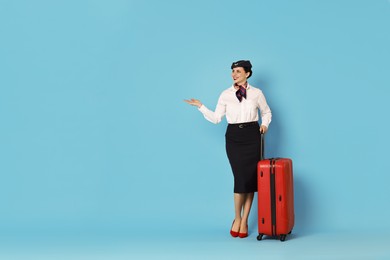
243	125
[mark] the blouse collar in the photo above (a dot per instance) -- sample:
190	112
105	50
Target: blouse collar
247	87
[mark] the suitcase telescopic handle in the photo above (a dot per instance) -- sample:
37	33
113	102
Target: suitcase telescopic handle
261	146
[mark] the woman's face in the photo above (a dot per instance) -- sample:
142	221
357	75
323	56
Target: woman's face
239	75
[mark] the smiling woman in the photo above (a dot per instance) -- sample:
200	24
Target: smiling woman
241	103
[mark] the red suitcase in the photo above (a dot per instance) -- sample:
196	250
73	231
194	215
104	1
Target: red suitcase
275	196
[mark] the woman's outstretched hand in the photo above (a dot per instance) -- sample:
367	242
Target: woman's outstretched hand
193	102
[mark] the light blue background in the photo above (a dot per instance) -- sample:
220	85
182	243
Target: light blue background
95	136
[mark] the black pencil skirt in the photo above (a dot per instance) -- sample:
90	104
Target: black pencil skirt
243	151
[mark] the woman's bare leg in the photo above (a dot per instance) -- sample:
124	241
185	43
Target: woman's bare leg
239	199
247	204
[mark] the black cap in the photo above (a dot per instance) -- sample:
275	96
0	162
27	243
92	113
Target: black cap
242	63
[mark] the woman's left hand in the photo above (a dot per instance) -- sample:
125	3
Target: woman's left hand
263	129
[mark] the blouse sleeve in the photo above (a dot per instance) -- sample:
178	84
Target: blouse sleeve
265	111
216	116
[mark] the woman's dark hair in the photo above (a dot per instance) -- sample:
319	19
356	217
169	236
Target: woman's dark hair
248	70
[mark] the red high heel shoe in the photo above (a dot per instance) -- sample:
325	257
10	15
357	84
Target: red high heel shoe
243	235
233	233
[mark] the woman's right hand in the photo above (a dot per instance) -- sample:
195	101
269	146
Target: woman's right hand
193	102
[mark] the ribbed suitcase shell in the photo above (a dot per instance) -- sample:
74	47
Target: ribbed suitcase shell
275	197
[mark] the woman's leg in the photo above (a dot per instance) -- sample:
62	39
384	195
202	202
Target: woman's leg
248	199
239	199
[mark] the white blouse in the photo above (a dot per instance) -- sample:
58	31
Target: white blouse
239	112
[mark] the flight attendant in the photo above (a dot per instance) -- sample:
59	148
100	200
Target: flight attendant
241	104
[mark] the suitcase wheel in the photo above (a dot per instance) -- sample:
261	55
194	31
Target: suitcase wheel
282	238
259	237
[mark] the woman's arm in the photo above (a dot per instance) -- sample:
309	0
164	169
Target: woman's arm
265	111
212	116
